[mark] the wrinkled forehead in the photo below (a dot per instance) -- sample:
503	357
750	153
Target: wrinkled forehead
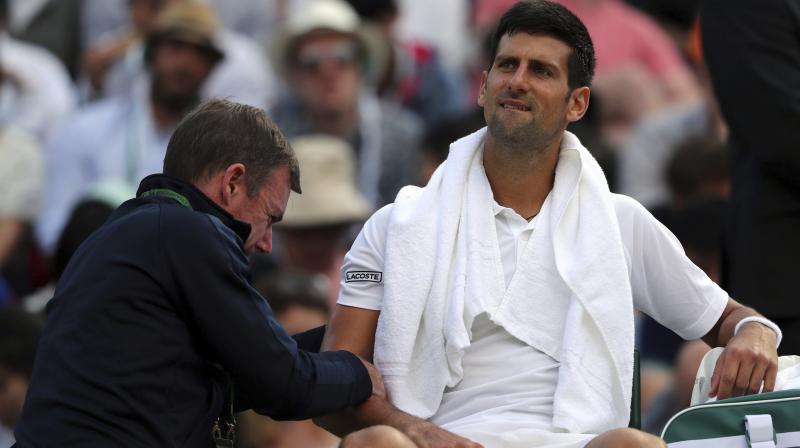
521	44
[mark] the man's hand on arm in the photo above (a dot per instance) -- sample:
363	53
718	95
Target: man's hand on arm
378	388
750	356
353	329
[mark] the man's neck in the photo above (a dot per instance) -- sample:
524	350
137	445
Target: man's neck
340	123
520	179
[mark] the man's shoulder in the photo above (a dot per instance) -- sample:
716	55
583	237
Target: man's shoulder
627	207
175	223
201	233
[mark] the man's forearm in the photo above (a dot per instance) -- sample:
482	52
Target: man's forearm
374	411
723	331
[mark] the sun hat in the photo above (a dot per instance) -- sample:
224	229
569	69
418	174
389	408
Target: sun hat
330	196
187	21
329	16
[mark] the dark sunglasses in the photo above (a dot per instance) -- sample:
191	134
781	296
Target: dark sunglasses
342	54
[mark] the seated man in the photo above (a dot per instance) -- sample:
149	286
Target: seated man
155	335
499	299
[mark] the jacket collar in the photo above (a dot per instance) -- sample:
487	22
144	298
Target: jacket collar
191	197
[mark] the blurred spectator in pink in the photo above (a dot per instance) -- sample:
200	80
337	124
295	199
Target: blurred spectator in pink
125	137
444	24
639	69
317	225
644	156
326	61
412	75
116	62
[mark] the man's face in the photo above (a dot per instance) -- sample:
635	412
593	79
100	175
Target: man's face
525	96
263	210
13	388
325	73
179	70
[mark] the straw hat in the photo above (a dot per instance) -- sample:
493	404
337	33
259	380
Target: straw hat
335	16
187	21
329	196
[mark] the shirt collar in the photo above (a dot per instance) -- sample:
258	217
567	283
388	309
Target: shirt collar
190	196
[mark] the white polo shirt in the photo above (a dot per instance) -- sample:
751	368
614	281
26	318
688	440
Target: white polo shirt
508	386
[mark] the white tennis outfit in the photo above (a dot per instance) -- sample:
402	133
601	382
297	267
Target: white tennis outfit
505	395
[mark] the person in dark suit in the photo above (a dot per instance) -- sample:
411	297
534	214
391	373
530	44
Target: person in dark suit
155	335
753	54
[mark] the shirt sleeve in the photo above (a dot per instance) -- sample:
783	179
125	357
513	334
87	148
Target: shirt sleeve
211	276
666	285
362	271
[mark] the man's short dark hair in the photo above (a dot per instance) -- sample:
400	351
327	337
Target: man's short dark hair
551	19
219	133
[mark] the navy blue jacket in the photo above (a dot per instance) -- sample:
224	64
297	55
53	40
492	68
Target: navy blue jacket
150	311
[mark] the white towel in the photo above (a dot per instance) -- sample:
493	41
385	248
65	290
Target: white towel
442	268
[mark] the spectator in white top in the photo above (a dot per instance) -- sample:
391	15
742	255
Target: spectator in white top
35	89
116	62
125	137
326	61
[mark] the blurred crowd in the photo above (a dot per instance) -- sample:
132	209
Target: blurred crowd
370	93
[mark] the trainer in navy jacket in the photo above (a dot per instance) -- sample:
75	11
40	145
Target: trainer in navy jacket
147	311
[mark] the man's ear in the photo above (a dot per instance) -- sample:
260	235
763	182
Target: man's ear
578	104
482	91
233	183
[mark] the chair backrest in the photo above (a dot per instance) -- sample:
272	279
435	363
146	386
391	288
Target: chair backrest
636	395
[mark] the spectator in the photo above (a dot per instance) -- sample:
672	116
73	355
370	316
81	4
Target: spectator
35	89
21	179
87	216
118	63
323	58
644	156
52	24
124	137
19	336
412	75
317	228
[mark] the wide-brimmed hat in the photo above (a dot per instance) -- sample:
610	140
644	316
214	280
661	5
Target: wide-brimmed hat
330	196
187	21
330	16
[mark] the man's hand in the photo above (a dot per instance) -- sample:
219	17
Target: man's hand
749	358
427	435
378	388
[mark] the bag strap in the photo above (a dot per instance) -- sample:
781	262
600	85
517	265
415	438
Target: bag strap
759	432
224	430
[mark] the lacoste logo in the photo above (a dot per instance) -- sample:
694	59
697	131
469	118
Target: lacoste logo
363	276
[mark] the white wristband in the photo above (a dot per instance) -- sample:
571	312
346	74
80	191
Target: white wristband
763	321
